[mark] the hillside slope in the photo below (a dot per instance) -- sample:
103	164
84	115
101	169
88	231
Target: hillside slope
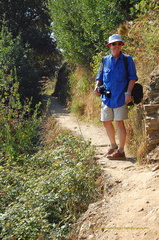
129	207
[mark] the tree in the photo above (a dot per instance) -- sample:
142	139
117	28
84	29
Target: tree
30	20
14	57
82	27
35	53
23	17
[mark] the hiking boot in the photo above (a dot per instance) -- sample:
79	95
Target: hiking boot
110	151
116	155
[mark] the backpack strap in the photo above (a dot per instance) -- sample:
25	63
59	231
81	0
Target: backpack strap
126	65
127	74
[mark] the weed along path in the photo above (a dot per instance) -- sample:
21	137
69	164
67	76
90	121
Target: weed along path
129	206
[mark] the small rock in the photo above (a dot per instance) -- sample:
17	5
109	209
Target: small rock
142	209
145	233
90	237
155	168
127	167
118	181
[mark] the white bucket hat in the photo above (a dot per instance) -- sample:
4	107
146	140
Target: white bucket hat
114	38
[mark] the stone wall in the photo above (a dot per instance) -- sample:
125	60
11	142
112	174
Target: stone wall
151	113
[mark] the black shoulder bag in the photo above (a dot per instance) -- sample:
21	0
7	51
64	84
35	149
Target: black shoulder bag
137	92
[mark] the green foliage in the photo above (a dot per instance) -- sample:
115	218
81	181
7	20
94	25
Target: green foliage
31	21
143	43
20	16
42	192
18	123
43	198
82	27
96	61
14	56
147	33
148	6
27	44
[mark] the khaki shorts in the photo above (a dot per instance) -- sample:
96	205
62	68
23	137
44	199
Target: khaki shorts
110	114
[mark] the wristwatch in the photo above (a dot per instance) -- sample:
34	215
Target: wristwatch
127	93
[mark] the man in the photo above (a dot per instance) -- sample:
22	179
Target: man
113	75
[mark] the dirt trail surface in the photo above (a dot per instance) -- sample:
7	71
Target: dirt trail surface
129	207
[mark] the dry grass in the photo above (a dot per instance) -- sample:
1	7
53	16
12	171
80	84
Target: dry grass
50	130
92	110
134	129
142	43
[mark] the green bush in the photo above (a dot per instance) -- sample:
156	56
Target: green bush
44	197
18	123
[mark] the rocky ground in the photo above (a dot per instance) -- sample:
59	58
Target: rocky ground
129	206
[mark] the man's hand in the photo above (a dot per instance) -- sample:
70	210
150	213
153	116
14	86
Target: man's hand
128	98
96	89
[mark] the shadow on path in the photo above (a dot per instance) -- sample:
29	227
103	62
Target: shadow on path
129	159
55	107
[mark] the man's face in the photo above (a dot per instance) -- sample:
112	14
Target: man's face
116	48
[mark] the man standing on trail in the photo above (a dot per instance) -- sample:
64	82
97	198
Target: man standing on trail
118	84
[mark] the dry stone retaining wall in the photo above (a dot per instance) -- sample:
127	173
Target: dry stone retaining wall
151	113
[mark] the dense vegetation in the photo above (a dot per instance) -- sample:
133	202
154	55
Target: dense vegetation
82	27
43	194
28	45
48	176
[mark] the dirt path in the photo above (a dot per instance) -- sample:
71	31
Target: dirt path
129	208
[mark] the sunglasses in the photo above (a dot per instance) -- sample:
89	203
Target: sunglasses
114	44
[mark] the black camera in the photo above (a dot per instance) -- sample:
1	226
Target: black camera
104	91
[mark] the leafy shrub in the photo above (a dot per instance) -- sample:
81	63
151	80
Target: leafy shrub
43	198
18	123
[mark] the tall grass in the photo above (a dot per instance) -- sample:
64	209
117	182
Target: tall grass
84	103
135	132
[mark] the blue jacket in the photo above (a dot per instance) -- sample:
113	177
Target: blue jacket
113	76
